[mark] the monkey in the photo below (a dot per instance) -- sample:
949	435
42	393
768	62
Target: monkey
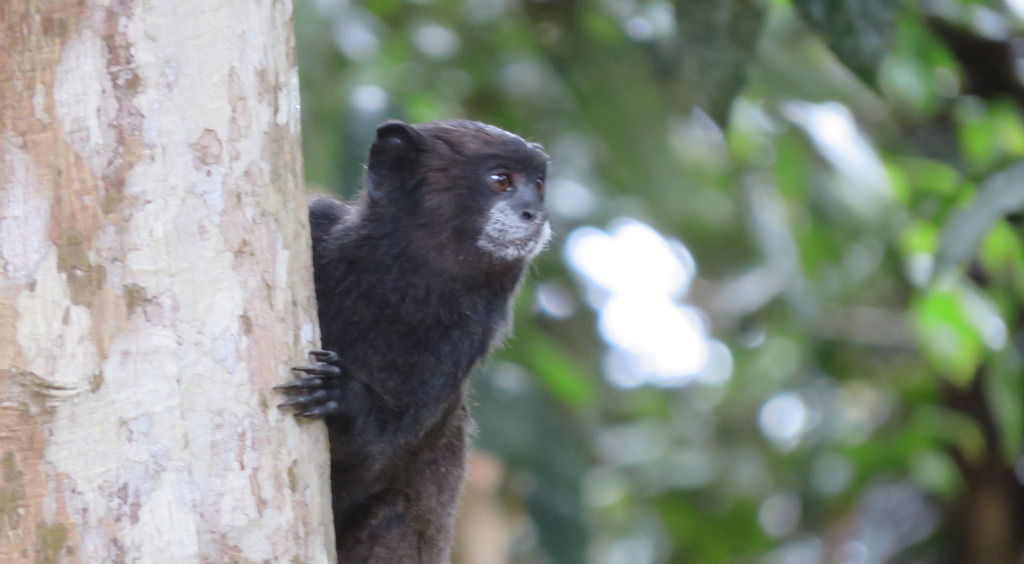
414	284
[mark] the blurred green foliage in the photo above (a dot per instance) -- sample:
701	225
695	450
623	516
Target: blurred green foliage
843	173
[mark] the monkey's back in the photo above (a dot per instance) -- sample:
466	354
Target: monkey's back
413	343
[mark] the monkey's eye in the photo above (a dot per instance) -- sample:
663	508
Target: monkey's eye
540	185
501	182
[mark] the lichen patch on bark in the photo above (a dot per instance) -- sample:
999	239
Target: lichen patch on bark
12	494
51	542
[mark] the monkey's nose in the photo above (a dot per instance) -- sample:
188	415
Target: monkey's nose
533	215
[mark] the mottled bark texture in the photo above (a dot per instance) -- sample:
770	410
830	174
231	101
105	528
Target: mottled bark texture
155	283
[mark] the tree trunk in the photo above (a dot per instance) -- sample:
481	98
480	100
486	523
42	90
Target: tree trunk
155	283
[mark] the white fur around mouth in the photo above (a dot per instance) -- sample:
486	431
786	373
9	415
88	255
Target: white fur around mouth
508	237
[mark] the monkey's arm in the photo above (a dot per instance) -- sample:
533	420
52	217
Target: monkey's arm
360	413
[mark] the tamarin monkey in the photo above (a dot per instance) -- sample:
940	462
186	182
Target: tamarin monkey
414	283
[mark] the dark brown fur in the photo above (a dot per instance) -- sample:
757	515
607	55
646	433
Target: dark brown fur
409	302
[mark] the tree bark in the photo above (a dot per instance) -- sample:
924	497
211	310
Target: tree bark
155	283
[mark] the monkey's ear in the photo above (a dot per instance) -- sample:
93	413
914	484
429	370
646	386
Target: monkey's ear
395	134
393	155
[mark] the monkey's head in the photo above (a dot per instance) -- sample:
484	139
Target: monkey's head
469	192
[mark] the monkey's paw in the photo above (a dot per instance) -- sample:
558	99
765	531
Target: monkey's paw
323	392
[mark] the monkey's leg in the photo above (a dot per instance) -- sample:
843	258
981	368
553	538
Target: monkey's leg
411	521
379	533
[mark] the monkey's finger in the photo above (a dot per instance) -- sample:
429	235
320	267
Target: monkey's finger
324	356
320	370
303	401
300	384
320	410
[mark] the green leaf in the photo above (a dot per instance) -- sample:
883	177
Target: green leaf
907	83
907	76
558	374
936	472
1002	257
1004	390
947	338
721	535
1000	195
989	134
919	237
952	428
932	176
859	32
1001	248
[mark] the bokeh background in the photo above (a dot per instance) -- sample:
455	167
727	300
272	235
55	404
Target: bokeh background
781	321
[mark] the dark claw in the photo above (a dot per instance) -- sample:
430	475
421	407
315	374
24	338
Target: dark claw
314	397
320	410
324	356
321	369
301	384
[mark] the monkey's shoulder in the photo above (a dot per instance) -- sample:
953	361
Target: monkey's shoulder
327	213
